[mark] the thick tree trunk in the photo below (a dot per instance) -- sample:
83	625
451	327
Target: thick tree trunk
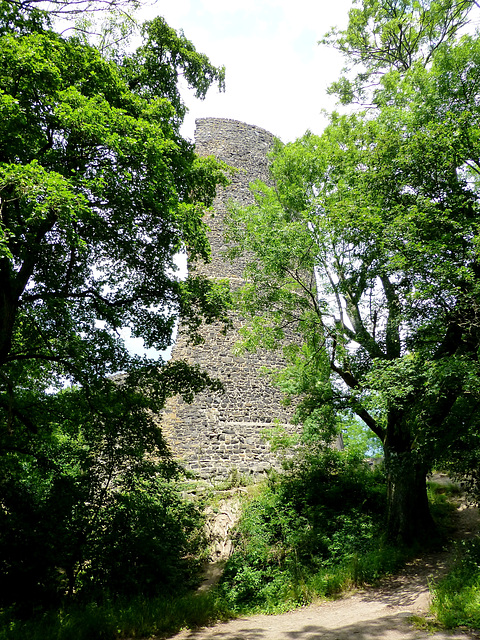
408	513
8	311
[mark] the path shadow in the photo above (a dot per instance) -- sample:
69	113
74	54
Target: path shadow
389	627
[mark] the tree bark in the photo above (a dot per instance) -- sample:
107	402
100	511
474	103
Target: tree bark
8	311
408	513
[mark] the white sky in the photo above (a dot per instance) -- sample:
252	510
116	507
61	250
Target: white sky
276	73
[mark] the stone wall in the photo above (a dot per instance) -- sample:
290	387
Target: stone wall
220	432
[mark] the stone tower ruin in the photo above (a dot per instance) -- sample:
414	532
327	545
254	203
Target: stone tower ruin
220	432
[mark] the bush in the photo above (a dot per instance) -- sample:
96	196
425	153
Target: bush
308	533
74	525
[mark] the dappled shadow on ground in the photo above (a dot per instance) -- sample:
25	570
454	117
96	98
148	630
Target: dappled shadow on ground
389	627
405	589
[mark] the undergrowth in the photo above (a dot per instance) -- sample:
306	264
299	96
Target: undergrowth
312	532
456	598
134	618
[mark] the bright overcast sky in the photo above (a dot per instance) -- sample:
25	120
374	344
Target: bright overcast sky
276	73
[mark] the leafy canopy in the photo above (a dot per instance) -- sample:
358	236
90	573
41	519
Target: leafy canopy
383	35
367	246
98	193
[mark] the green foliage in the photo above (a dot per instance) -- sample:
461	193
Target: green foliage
84	512
310	532
279	439
443	506
121	618
98	193
234	480
392	35
358	439
366	251
456	598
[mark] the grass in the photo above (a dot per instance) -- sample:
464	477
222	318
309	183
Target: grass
137	618
456	598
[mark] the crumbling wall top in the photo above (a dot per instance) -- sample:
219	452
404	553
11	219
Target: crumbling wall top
239	144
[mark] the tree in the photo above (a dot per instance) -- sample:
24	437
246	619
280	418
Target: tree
66	8
367	245
392	34
98	193
86	514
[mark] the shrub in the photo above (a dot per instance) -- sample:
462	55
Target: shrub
64	532
307	533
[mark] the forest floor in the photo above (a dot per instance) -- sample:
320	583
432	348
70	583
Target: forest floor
387	611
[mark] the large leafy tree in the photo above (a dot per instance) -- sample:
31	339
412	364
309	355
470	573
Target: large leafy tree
368	246
98	193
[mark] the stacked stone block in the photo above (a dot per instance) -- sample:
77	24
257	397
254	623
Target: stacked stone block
221	432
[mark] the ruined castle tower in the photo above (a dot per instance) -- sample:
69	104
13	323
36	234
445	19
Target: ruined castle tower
220	432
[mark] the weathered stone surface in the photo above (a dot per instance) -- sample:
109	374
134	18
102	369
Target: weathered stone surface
224	431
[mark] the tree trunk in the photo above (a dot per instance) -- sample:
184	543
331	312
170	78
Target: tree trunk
8	311
408	512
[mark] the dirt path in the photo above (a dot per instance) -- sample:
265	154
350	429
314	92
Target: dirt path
381	613
356	618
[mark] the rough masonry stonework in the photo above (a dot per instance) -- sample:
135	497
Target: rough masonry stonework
221	432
